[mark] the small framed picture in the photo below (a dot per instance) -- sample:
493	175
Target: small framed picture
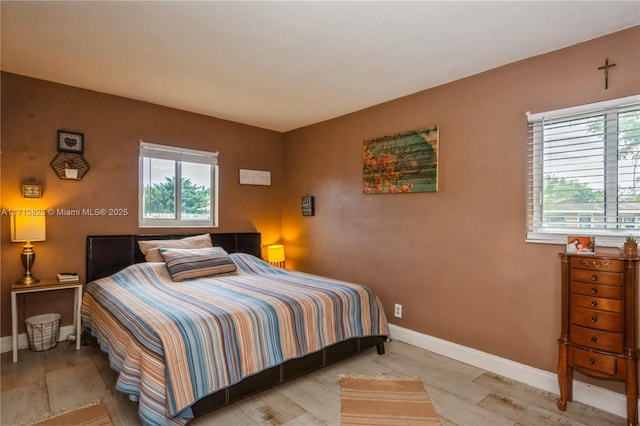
308	205
582	244
254	177
70	142
31	191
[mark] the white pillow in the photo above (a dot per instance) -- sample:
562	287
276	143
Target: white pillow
150	247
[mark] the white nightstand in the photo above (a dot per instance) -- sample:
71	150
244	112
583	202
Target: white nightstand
44	285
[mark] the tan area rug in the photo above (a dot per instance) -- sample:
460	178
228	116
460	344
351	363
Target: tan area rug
93	415
368	401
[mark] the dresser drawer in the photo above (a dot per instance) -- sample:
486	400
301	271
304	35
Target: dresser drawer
584	275
608	321
599	303
597	264
596	339
593	361
597	290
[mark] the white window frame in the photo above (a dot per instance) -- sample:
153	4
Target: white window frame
605	237
178	154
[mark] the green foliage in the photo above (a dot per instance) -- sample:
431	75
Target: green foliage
195	199
631	239
559	190
160	198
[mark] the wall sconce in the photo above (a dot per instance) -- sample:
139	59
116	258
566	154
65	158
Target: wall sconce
70	166
25	229
275	255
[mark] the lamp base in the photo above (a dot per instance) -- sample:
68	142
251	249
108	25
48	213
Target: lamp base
28	256
28	280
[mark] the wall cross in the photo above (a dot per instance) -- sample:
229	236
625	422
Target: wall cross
606	67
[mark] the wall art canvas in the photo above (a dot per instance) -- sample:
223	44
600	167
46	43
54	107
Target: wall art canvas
406	162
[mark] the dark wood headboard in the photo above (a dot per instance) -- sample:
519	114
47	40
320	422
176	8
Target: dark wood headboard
107	254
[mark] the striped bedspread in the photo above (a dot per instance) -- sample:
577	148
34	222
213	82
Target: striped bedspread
174	343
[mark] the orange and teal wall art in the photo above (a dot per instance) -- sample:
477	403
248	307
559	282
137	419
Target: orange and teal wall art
406	162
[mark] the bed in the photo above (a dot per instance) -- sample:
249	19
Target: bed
186	340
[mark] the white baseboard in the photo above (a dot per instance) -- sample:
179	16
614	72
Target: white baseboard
585	393
6	344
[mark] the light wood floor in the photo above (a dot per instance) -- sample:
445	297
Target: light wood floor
46	383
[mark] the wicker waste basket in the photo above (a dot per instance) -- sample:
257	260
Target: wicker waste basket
43	331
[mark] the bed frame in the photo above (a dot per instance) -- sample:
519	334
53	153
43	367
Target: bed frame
107	254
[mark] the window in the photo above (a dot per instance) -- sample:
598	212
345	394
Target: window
583	172
191	203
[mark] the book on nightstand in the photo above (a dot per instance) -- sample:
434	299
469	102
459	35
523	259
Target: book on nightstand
68	277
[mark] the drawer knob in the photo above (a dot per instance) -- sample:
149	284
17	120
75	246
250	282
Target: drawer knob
594	319
594	339
592	361
594	303
594	290
594	277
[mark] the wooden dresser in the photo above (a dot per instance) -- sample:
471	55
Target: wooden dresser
599	317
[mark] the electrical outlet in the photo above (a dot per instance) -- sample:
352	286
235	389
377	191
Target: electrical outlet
398	311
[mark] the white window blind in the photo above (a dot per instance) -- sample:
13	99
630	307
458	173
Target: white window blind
178	187
583	172
166	152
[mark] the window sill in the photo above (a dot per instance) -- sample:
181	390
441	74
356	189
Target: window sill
612	241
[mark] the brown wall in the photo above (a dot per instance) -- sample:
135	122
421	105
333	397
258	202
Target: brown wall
456	259
33	111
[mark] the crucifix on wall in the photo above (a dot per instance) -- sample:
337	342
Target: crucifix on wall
606	67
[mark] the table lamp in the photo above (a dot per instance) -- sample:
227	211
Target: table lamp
25	229
275	255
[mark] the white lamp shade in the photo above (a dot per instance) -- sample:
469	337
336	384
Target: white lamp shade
275	253
28	228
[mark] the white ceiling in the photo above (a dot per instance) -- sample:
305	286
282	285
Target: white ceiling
284	65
